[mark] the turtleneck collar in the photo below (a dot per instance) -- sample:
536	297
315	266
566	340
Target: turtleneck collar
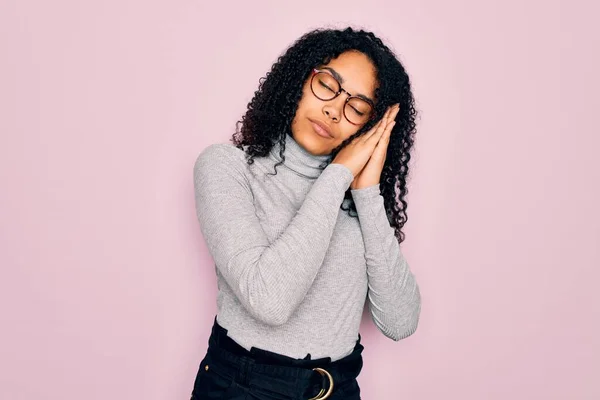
298	159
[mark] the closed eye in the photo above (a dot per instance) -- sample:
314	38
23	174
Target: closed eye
326	86
357	112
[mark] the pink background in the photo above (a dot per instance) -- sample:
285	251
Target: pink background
106	288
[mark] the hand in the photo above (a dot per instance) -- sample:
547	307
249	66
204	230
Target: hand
371	173
356	154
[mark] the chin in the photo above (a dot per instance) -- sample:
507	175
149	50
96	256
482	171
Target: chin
312	143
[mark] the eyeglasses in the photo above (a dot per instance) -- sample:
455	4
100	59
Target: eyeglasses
325	87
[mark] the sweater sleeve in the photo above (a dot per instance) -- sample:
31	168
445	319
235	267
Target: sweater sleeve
269	279
393	293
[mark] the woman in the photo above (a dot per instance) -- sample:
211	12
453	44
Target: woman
303	218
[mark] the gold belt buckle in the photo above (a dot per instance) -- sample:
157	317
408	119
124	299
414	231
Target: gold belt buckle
329	390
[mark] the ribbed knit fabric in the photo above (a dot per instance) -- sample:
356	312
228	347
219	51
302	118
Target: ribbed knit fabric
293	269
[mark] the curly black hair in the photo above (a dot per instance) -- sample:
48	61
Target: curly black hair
272	109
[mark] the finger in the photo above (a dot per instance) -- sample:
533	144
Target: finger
389	130
390	114
390	122
380	152
393	113
367	133
385	138
386	114
376	133
373	130
377	129
382	128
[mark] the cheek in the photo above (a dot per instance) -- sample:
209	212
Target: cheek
306	96
348	130
305	108
308	105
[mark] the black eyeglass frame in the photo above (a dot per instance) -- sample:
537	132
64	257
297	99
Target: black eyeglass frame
316	71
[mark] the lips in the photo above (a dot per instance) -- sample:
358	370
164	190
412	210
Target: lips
321	128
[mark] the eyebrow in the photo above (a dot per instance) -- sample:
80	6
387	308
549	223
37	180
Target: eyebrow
337	76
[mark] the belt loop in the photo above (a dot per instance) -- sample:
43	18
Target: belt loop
243	373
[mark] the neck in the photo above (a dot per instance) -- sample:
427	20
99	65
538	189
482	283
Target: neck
299	160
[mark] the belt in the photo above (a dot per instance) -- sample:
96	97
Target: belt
252	367
322	394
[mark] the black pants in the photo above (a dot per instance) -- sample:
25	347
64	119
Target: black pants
228	371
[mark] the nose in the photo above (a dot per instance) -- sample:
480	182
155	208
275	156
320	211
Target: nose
334	109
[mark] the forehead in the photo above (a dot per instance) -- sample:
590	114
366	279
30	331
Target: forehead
357	71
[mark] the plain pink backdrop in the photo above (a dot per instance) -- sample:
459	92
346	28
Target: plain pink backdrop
106	288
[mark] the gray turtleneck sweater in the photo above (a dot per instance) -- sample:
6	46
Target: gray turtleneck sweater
293	269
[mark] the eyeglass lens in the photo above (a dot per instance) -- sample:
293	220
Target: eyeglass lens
325	87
